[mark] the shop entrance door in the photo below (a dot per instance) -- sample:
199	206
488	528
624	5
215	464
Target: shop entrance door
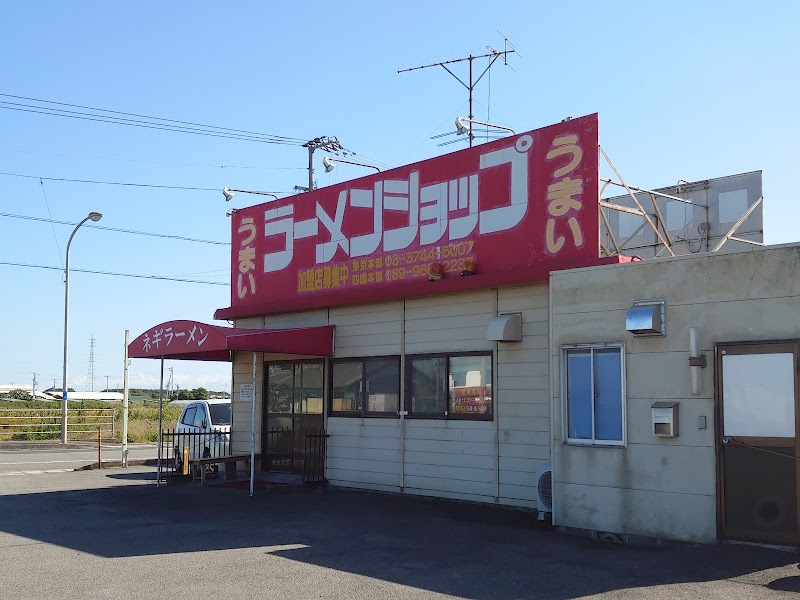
757	389
294	392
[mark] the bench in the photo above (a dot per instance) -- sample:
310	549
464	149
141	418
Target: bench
198	465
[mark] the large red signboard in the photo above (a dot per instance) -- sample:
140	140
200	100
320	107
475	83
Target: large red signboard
505	212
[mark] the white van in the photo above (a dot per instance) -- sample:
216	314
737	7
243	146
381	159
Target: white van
206	427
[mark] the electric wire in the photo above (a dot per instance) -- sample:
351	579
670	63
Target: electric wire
122	183
94	272
152	162
142	121
117	121
116	229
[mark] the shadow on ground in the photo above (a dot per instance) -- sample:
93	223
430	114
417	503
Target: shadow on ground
462	550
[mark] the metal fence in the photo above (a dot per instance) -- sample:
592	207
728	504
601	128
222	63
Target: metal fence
314	456
279	448
45	423
179	447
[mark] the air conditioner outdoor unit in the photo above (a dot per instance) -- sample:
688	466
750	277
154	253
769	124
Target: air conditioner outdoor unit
544	490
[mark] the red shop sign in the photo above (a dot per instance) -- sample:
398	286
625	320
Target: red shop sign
505	212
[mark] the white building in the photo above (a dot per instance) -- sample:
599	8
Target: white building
494	358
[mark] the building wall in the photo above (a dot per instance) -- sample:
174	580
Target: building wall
660	487
488	461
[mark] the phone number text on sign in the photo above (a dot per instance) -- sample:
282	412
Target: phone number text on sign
387	267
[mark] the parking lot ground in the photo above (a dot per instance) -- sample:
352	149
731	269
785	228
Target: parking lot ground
113	534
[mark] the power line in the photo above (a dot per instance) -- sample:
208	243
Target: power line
118	230
158	277
114	121
122	183
153	162
144	121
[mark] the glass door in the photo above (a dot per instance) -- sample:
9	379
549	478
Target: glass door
758	424
294	408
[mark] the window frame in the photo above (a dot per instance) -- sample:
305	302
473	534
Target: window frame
447	416
594	442
363	413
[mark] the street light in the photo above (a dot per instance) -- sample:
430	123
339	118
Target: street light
330	164
93	216
229	193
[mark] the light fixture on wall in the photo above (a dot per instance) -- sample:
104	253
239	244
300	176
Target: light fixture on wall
697	361
469	267
435	272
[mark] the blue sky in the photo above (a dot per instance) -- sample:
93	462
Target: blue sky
685	90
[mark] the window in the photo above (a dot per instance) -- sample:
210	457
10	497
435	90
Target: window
220	414
454	386
594	392
188	416
200	418
368	387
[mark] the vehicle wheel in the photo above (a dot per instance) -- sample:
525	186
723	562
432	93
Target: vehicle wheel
177	461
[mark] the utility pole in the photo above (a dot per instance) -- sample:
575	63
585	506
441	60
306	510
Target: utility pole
329	144
33	394
106	382
493	55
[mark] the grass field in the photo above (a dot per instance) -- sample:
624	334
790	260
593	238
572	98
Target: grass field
45	416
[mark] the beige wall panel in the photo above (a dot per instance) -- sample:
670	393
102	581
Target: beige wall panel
510	353
532	408
518	492
528	296
530	369
533	397
769	273
686	517
465	447
241	412
524	465
641	467
524	423
462	339
310	318
476	461
250	323
362	479
378	454
433	486
529	451
449	494
524	383
368	464
469	474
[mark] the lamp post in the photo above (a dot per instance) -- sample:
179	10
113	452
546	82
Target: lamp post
93	216
330	164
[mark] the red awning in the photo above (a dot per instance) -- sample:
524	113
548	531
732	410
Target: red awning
190	340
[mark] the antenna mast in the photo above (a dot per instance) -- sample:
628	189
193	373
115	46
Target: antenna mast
493	55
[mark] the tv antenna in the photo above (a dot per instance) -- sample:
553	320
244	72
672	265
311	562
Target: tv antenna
492	55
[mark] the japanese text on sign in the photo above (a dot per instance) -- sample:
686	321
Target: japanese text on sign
158	339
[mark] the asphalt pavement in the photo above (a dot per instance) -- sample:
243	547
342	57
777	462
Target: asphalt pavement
32	456
113	534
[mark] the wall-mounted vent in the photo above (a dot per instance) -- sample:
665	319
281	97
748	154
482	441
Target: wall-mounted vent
505	328
647	318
